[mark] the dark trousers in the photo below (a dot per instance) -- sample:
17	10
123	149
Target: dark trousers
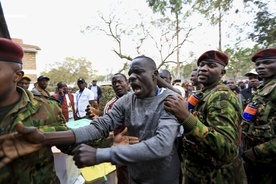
122	174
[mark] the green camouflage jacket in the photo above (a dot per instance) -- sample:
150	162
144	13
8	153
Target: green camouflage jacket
260	133
211	147
46	115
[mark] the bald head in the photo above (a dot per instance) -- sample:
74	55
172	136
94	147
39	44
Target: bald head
146	61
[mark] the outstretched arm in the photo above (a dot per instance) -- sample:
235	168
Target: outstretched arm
23	142
28	140
85	155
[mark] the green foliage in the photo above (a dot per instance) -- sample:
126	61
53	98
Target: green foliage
175	6
264	26
213	9
187	70
240	61
69	71
107	94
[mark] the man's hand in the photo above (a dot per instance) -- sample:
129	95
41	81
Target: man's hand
91	112
121	139
61	92
84	156
25	141
178	106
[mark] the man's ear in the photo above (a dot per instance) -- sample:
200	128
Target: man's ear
155	74
18	75
223	72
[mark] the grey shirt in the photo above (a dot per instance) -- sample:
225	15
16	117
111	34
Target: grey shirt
154	159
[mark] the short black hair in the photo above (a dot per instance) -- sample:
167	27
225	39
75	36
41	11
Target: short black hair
121	75
59	84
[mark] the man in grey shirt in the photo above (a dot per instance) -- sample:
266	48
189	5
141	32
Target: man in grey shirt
154	159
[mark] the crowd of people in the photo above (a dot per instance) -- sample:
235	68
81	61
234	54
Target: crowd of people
159	131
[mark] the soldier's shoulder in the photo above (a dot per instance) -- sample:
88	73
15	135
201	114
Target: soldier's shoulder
266	90
223	93
45	99
222	87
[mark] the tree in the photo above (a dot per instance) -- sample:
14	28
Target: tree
70	70
141	35
240	61
264	25
175	7
215	11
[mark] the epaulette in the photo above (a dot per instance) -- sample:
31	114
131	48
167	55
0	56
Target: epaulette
42	98
267	89
221	87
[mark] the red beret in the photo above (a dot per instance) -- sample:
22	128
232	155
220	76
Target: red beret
264	54
214	56
10	51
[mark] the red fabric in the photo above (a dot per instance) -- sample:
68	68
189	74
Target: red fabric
10	51
64	106
214	56
264	54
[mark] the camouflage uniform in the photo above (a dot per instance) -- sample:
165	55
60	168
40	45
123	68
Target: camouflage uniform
260	135
211	147
45	114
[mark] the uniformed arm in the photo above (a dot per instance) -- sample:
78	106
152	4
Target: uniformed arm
218	137
266	152
28	140
51	120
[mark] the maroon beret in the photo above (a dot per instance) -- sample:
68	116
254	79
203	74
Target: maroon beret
214	56
264	54
10	51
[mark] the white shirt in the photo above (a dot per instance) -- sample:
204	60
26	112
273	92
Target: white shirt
82	100
94	89
180	89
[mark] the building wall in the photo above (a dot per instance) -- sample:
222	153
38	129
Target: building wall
29	59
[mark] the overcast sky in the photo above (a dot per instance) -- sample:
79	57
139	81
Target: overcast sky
54	26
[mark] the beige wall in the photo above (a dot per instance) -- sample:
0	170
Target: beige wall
29	59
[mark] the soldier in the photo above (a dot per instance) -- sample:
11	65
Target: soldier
259	126
211	138
16	105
